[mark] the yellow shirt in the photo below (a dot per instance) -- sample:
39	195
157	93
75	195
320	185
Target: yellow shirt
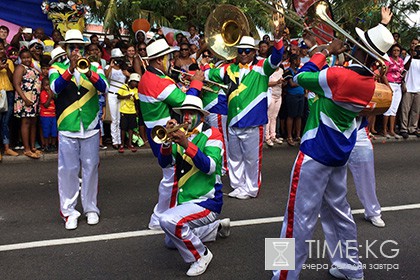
127	106
5	83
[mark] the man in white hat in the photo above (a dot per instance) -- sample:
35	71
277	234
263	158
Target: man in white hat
247	112
196	153
318	179
77	107
158	94
116	76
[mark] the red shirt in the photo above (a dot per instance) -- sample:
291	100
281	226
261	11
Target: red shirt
46	112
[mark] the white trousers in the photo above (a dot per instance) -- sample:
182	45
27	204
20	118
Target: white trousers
316	189
74	153
245	159
167	196
114	110
219	121
396	99
186	227
362	166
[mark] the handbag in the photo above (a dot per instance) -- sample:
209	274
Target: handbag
3	101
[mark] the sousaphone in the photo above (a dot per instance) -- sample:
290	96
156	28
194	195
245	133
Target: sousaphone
224	28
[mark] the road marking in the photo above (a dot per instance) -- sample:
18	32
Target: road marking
140	233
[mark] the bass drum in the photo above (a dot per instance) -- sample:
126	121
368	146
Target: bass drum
381	100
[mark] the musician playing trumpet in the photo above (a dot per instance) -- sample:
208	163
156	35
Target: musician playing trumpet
319	175
77	107
158	93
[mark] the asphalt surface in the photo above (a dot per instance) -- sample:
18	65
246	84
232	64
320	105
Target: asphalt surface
29	211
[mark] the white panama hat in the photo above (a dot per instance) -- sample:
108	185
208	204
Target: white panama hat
191	102
246	42
158	48
56	53
377	39
73	36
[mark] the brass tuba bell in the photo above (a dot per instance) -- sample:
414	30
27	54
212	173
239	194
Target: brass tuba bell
83	65
224	28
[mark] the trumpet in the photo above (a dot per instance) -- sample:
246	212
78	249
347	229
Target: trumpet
205	81
160	134
83	65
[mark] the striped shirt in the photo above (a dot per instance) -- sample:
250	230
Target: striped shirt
247	94
197	168
330	132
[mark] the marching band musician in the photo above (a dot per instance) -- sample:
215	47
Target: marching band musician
318	178
158	93
247	112
77	106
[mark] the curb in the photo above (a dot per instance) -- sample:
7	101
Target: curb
110	152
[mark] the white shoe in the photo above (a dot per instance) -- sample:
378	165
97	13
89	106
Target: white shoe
278	141
200	266
243	196
71	222
376	221
269	143
154	227
92	218
224	228
234	193
338	274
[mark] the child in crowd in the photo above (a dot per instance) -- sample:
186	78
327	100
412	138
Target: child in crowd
47	117
129	96
102	112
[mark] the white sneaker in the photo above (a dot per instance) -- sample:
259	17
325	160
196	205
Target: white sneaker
243	196
200	266
338	274
269	143
154	227
278	141
92	218
234	193
377	221
224	228
71	222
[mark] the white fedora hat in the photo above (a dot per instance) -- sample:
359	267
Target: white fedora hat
73	36
246	42
158	48
56	53
116	53
134	77
191	102
377	39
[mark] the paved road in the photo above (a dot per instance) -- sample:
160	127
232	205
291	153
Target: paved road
29	212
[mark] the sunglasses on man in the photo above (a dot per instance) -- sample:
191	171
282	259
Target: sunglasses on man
246	51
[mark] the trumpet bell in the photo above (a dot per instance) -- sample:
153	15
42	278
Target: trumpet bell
83	65
159	134
224	29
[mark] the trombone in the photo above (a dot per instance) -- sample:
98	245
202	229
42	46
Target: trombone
160	134
320	11
205	81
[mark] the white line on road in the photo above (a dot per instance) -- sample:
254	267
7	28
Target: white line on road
140	233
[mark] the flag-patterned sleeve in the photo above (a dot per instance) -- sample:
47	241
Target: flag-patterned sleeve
164	156
210	158
216	74
58	81
98	78
274	60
